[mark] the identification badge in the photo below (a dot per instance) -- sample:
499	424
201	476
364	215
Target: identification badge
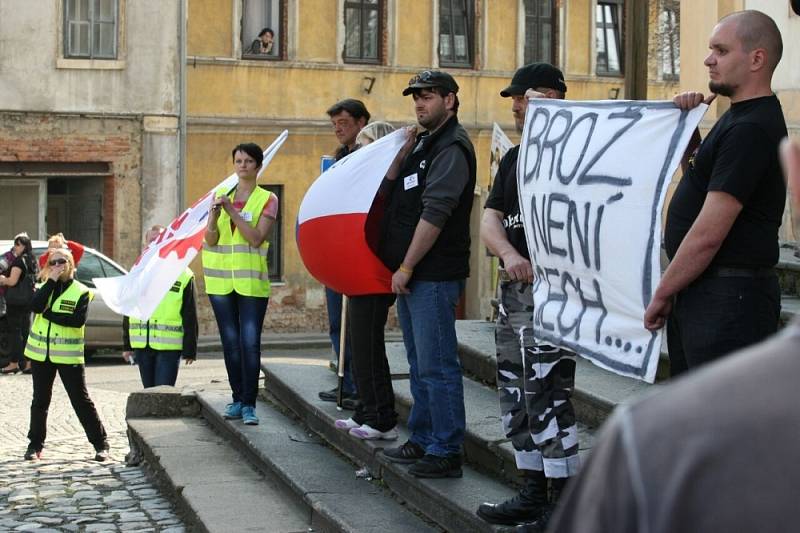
247	216
409	182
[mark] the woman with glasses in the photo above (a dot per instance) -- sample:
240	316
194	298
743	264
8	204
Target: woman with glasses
55	345
237	277
22	269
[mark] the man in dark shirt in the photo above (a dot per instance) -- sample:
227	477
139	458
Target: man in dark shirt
534	387
735	464
425	242
348	117
722	225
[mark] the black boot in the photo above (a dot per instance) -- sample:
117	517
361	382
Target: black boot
526	506
557	485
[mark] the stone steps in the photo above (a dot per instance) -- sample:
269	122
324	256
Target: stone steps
274	477
214	485
450	503
304	466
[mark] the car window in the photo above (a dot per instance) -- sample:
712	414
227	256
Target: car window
109	269
89	267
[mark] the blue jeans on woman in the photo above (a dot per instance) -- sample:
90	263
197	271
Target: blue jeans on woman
428	320
157	367
240	319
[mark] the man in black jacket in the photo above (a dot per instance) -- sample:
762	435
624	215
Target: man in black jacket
425	241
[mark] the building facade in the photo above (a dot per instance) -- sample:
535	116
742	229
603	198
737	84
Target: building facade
327	50
89	119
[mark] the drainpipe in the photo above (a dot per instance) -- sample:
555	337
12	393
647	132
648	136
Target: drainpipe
182	38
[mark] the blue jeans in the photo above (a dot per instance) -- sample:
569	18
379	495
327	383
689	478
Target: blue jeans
333	300
240	319
428	320
157	367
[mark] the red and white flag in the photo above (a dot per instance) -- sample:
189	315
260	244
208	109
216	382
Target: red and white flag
138	293
332	220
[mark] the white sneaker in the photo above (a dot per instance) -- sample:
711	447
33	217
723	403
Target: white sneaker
346	424
367	433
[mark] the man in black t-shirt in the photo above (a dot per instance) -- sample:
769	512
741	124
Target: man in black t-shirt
534	386
720	290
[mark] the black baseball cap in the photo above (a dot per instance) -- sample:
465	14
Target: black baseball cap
535	75
431	78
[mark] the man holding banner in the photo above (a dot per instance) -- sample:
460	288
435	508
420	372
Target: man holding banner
425	241
534	381
720	290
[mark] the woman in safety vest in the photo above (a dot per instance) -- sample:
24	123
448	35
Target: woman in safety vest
55	344
157	344
237	278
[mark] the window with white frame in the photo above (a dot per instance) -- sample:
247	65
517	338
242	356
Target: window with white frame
539	31
608	38
90	29
363	27
456	33
669	39
261	29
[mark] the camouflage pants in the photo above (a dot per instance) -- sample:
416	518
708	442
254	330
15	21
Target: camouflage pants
534	382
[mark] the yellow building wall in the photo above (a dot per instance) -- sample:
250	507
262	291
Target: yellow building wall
209	28
231	100
316	31
414	25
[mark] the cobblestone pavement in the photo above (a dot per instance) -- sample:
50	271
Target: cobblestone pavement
66	490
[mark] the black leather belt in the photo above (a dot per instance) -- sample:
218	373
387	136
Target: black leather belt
739	272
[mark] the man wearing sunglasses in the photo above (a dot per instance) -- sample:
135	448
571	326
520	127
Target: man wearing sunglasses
425	242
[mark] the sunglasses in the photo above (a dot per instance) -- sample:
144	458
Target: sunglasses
426	76
55	262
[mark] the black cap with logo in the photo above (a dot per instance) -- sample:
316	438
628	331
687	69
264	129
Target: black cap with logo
535	75
431	78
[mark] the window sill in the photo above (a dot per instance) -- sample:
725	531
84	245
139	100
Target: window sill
91	64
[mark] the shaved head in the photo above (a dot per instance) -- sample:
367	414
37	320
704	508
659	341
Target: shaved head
756	30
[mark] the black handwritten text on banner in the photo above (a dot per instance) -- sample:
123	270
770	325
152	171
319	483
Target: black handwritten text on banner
592	181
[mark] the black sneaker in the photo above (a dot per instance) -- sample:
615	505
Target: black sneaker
435	466
407	453
32	454
333	394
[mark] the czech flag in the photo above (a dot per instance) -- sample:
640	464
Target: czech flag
332	221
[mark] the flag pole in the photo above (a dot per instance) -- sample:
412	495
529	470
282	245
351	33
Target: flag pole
342	348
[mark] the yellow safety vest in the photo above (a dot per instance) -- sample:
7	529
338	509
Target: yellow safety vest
164	330
63	344
232	264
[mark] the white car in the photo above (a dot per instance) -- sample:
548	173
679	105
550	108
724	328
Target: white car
103	326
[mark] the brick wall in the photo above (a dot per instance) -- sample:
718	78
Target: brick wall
72	138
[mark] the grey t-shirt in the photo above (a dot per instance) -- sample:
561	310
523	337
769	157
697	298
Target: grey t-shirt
717	451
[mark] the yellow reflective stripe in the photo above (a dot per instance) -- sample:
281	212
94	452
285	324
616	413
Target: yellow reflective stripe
57	353
162	327
236	249
167	340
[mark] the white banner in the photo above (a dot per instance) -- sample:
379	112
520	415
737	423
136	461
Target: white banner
138	293
592	181
499	146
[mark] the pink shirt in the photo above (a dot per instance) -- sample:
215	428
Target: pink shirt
270	209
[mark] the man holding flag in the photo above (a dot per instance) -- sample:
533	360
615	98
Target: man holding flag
425	241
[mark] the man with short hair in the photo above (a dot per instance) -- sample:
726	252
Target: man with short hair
720	290
735	466
425	241
348	117
534	381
